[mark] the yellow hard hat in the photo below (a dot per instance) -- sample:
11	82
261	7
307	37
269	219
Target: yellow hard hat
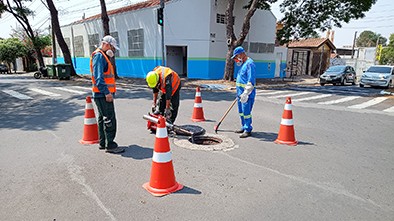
152	78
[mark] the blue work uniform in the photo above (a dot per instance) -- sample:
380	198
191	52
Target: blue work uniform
246	74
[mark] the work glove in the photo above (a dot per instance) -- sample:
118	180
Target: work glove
243	98
248	88
167	113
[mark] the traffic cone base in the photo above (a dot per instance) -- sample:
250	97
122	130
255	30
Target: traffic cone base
286	133
162	192
198	112
90	129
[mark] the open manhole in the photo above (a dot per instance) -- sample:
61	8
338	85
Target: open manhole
205	140
208	142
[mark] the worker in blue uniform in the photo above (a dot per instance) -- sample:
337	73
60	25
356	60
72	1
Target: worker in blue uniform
246	92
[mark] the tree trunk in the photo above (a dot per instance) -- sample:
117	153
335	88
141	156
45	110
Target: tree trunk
105	21
232	40
59	36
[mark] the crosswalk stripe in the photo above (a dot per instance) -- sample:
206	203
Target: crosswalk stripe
45	92
290	95
83	88
313	97
391	109
275	92
369	103
340	100
17	95
69	90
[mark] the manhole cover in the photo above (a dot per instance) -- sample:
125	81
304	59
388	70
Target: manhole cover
205	140
197	130
214	142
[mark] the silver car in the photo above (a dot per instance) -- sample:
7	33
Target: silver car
378	75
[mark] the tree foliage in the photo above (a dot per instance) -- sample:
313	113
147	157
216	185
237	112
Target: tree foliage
10	49
387	56
302	18
370	39
21	14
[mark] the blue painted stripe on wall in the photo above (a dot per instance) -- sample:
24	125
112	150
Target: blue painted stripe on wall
197	69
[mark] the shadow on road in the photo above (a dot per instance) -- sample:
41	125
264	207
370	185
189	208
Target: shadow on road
187	190
265	136
137	152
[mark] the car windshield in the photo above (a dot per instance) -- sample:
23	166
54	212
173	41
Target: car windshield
335	69
378	69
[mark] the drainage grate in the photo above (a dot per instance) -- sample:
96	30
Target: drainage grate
205	140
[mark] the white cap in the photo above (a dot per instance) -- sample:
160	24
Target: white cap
111	40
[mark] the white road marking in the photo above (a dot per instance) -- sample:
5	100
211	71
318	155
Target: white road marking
313	97
340	100
76	174
290	95
17	95
369	103
275	92
69	90
45	92
391	109
83	88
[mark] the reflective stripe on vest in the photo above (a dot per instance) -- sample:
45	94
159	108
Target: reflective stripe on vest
163	73
109	76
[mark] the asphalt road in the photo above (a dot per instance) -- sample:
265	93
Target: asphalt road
342	168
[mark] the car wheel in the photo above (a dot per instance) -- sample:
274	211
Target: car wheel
390	84
322	84
361	85
343	81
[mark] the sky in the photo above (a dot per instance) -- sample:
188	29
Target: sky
379	19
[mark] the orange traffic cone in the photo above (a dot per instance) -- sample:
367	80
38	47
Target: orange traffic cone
198	113
90	130
162	178
286	130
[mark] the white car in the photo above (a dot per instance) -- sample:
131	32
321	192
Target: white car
378	75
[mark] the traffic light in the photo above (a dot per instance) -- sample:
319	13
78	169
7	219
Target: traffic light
160	16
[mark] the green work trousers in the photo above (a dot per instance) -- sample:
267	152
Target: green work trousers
106	122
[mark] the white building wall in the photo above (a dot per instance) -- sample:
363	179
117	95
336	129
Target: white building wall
186	23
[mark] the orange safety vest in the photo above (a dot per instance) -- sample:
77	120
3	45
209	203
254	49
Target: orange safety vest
163	73
109	76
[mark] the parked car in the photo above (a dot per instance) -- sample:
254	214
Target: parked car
340	74
378	75
3	69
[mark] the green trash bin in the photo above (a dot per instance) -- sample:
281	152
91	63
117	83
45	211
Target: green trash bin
51	70
63	71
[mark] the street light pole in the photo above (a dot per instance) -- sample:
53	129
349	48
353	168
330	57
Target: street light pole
162	35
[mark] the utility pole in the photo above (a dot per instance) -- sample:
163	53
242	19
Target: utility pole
354	43
72	37
162	33
54	57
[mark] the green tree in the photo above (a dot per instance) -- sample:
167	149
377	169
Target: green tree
21	14
370	39
10	49
302	18
387	56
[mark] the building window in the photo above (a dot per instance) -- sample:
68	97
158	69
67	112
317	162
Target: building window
116	36
245	46
78	44
94	42
136	42
221	19
260	48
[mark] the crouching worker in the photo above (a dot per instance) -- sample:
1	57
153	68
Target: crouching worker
166	85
